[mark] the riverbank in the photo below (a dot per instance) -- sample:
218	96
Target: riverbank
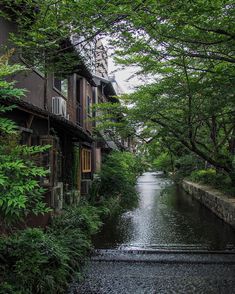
220	204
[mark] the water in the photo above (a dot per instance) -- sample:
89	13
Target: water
166	217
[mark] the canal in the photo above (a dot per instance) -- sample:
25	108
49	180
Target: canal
166	218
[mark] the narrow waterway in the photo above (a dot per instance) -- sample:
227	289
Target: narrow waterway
166	217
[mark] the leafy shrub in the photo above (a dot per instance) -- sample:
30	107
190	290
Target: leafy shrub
163	162
116	181
216	179
33	262
84	217
206	176
20	190
20	193
74	229
187	163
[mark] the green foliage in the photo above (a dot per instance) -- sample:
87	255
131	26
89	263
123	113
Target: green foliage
163	162
169	155
45	28
117	179
20	193
206	176
74	229
7	90
33	262
187	163
214	178
185	48
84	217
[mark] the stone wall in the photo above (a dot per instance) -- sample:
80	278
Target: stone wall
221	205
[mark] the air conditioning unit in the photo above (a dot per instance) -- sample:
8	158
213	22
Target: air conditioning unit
57	197
85	186
59	106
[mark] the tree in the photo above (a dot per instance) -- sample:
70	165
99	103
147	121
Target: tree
185	47
54	35
187	50
20	193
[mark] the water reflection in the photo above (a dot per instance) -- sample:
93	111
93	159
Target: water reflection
165	216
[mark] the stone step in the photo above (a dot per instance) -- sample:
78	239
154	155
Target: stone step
173	247
160	256
112	277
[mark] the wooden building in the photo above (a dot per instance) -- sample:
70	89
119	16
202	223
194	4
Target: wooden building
57	110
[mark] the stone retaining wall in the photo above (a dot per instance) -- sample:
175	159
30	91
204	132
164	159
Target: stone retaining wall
221	205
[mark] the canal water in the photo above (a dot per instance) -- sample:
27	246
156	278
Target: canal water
166	218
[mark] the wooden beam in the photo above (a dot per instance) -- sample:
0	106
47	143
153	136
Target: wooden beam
29	121
44	116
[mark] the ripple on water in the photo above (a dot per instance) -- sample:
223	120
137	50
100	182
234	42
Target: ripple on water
166	216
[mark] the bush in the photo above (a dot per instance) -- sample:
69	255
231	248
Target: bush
33	262
206	176
84	217
216	179
74	229
116	181
187	163
20	192
163	162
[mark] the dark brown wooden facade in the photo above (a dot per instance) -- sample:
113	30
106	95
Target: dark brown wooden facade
56	112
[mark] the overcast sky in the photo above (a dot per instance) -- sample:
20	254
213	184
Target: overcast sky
123	76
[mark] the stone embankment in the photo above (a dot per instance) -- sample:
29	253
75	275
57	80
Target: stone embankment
220	204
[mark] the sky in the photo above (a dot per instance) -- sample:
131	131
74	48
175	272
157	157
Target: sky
122	76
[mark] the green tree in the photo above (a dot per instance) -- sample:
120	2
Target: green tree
186	49
20	193
115	185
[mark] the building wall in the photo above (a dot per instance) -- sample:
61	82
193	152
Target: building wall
6	28
71	104
39	93
87	91
34	85
97	159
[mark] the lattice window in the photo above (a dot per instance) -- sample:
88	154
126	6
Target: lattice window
86	160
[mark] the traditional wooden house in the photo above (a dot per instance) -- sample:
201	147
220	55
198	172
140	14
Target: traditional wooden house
56	110
107	90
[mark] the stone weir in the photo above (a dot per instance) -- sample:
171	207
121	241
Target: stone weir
222	205
154	272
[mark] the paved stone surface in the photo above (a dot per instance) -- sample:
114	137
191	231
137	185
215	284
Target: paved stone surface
159	273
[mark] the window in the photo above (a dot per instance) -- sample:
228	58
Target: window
79	112
86	160
61	84
51	160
